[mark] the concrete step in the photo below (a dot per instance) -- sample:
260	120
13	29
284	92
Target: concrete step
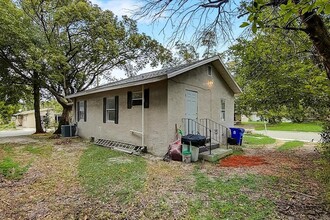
207	147
216	154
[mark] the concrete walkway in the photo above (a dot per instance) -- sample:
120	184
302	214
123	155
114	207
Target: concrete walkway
291	135
18	132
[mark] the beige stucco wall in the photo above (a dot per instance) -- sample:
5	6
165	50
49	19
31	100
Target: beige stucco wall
29	121
209	97
129	119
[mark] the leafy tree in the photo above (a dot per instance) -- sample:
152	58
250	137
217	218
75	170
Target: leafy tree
280	80
209	41
75	42
52	103
184	53
304	16
12	90
18	53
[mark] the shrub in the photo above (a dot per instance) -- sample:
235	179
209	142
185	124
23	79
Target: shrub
11	125
325	139
324	174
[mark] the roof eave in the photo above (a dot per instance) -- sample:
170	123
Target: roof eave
105	89
222	69
178	72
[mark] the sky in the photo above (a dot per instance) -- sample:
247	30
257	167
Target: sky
125	7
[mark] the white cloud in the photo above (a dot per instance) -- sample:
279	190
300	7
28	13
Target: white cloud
118	7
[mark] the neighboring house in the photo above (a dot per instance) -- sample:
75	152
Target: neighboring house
26	119
253	117
144	110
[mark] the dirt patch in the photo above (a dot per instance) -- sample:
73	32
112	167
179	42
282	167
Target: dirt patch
242	161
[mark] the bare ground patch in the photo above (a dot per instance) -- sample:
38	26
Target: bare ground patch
50	189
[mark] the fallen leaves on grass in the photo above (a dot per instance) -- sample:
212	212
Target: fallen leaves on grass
51	188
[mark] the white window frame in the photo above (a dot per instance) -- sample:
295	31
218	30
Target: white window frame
110	109
137	99
81	110
209	70
222	109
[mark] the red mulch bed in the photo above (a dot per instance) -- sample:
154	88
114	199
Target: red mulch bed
242	161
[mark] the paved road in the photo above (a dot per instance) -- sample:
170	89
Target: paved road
292	135
19	132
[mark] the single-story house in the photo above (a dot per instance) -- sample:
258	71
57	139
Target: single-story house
26	119
144	110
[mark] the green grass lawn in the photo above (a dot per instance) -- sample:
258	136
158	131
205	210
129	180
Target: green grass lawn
115	176
79	180
109	174
287	126
290	145
257	139
226	200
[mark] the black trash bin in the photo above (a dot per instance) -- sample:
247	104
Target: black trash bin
194	141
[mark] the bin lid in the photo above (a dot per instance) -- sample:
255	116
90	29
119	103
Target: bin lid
242	130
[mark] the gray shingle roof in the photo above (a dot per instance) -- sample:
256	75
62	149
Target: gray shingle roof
147	75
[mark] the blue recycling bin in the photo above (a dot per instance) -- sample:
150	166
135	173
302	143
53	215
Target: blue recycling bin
237	134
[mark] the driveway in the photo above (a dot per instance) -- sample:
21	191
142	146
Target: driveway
291	135
18	132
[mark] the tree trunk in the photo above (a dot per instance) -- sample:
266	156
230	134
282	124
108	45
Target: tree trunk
319	35
65	118
36	104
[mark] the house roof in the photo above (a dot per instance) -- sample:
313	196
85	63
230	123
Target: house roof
32	111
163	74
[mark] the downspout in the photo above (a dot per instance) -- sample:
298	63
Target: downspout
142	115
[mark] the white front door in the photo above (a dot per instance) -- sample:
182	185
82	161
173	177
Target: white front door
191	110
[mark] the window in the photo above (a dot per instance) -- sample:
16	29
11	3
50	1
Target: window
137	98
209	70
81	110
223	110
110	109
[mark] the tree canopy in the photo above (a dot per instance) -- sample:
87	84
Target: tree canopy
280	79
218	16
63	46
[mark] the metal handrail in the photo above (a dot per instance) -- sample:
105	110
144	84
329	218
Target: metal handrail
220	132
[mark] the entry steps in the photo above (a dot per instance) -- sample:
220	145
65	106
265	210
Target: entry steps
119	146
207	147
